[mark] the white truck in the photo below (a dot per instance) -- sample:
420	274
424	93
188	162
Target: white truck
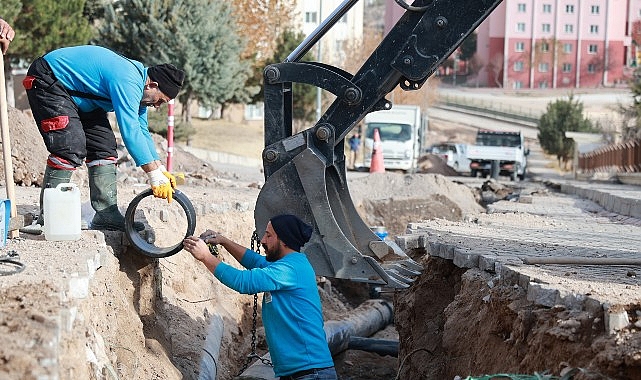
505	151
401	129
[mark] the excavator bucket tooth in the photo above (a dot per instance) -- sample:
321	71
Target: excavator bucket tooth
401	268
340	244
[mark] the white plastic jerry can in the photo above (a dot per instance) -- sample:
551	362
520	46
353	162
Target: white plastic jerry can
62	212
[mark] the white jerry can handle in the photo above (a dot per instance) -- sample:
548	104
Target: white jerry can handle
68	186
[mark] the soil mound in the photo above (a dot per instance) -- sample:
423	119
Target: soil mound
393	199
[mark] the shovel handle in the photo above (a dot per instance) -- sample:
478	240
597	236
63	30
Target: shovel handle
6	146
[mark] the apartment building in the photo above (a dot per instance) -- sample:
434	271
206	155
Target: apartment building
558	44
334	45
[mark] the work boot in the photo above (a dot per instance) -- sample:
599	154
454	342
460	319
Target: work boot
53	177
103	192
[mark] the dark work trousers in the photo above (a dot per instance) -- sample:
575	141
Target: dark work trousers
69	134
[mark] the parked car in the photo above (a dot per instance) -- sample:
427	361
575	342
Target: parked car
454	155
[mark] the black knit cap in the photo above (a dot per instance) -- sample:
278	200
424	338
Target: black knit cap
291	230
169	78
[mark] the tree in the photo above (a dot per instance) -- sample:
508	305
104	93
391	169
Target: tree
631	114
197	35
468	47
560	117
260	22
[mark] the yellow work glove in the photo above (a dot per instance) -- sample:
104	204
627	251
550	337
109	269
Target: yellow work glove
162	183
172	179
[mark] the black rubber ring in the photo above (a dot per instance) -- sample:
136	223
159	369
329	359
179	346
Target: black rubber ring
146	248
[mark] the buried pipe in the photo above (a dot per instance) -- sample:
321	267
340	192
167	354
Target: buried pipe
368	318
382	347
211	350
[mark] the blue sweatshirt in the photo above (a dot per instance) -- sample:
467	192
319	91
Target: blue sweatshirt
291	313
102	72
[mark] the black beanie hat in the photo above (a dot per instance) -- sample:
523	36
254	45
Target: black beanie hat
169	78
291	230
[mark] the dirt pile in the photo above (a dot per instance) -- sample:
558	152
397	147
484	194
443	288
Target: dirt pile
28	152
393	200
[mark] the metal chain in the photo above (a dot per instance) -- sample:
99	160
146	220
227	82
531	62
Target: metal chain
255	246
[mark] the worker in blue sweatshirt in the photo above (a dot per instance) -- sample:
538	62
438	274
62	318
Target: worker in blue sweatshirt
70	91
291	308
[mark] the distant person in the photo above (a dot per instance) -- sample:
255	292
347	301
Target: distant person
6	35
291	309
354	147
70	91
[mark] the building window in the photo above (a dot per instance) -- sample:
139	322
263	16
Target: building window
591	68
545	28
310	17
517	84
594	29
520	27
567	48
569	8
518	66
519	47
569	28
547	8
592	49
567	67
543	67
521	7
545	47
543	84
594	9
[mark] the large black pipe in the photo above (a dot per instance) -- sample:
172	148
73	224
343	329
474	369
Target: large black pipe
368	318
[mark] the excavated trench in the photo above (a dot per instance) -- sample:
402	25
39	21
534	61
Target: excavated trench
468	322
463	322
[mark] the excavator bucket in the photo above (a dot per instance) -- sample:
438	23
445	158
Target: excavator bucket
305	172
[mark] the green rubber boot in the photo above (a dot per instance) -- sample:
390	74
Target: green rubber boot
53	177
103	192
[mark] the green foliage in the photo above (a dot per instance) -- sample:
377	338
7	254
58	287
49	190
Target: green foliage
303	95
94	10
632	114
45	25
560	117
468	47
10	11
197	36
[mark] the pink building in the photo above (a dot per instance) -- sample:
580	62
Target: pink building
554	43
557	43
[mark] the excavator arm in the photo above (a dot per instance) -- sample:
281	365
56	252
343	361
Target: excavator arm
305	172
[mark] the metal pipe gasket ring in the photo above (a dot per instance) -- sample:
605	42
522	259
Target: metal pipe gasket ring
142	245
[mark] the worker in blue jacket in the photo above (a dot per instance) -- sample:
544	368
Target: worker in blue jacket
291	308
70	91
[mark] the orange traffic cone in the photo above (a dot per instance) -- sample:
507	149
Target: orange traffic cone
377	165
